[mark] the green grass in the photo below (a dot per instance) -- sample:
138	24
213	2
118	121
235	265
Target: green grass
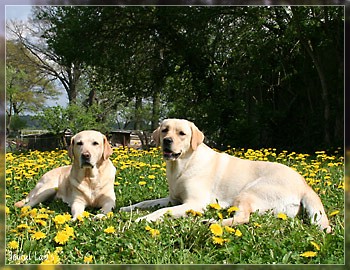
266	239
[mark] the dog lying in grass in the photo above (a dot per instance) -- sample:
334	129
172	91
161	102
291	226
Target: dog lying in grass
89	181
198	176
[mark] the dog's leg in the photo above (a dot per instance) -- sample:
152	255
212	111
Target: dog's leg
36	196
77	209
147	204
243	213
174	211
107	207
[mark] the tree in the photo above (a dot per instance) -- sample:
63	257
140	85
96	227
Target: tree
26	87
248	76
34	46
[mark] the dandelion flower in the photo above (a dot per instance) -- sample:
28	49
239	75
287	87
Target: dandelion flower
282	216
215	206
219	240
151	176
42	216
315	245
23	226
38	235
110	229
142	183
62	237
309	254
153	232
13	245
232	209
238	233
216	229
7	210
69	231
51	258
229	229
193	213
59	219
334	213
88	259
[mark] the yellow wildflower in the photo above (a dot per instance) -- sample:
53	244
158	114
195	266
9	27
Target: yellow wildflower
282	216
336	212
59	219
153	232
88	259
238	233
38	235
193	213
42	216
52	258
219	240
316	246
309	254
216	229
23	226
13	245
232	209
142	183
215	206
61	237
69	231
110	229
229	229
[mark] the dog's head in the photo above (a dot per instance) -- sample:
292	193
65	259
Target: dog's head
89	148
177	137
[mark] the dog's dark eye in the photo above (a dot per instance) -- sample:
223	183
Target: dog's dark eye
95	143
182	133
165	130
80	143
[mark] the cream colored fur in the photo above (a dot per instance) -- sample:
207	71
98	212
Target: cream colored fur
198	176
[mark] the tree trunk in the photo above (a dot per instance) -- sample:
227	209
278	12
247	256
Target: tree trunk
324	87
155	110
138	113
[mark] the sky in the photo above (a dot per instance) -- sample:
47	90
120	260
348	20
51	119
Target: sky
21	13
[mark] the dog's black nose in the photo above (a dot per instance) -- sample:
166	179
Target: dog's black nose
167	141
86	156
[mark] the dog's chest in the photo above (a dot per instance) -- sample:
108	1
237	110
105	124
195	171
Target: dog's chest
89	187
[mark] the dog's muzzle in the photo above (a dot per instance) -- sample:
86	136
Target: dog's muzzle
85	160
168	154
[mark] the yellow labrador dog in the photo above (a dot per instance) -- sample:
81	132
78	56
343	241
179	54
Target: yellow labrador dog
198	176
89	181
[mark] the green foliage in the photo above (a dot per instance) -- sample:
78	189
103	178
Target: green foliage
17	123
250	76
74	117
117	239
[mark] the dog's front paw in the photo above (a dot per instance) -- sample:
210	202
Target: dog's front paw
150	218
99	216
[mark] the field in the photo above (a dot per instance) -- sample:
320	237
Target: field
46	234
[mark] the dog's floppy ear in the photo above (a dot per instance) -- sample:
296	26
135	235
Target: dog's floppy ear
156	136
197	137
71	148
107	150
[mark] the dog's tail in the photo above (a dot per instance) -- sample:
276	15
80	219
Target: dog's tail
314	207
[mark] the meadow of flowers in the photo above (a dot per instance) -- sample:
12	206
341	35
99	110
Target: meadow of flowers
46	234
